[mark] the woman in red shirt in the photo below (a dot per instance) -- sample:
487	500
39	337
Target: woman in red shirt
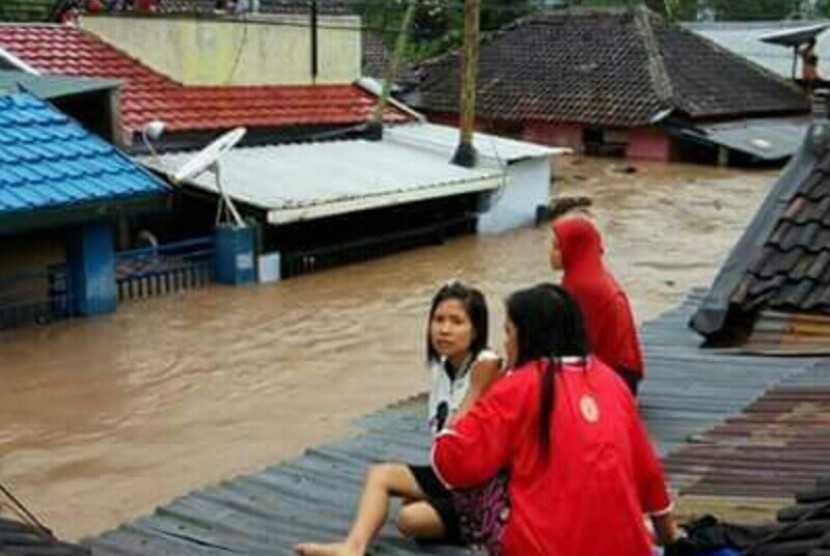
566	430
612	334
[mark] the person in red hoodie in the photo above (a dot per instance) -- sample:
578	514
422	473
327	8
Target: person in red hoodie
565	429
577	250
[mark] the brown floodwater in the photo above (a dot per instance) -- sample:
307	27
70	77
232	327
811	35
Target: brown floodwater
104	419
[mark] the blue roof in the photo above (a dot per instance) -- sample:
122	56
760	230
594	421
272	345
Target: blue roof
49	161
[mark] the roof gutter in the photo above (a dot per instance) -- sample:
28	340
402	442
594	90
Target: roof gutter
321	210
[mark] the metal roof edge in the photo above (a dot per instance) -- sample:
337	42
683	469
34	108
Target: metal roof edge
436	145
375	87
49	217
17	62
335	207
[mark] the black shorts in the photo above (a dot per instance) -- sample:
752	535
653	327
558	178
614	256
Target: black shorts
438	496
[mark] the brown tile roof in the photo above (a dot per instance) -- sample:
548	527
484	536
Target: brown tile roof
374	54
608	68
792	269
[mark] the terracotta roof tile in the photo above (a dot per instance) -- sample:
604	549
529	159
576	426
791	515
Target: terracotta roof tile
149	95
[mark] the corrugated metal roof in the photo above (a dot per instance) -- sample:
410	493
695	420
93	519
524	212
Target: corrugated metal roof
444	139
49	161
744	38
53	86
764	138
776	447
22	539
313	180
686	392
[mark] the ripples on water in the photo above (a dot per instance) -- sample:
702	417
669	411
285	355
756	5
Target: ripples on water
103	419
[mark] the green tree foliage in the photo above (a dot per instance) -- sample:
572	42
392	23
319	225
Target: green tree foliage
755	9
438	24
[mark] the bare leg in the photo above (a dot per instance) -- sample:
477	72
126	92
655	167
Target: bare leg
421	521
382	481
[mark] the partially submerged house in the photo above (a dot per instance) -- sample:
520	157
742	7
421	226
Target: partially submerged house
328	202
64	194
618	81
773	292
313	180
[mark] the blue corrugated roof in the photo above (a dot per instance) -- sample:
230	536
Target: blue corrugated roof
49	161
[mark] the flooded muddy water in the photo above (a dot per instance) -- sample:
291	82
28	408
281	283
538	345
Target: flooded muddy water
104	419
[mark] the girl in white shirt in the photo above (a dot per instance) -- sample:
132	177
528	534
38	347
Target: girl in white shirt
458	358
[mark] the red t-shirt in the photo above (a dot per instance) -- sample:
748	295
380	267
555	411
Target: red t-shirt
602	475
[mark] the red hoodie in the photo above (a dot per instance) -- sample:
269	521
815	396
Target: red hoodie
601	474
605	307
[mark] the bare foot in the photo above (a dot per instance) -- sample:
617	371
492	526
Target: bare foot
334	549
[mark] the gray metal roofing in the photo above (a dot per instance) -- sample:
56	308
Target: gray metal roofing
307	180
743	38
443	140
49	87
764	138
312	497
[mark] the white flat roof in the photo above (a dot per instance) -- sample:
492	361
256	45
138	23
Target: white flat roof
443	140
312	180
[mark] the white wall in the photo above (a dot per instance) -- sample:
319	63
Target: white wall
515	205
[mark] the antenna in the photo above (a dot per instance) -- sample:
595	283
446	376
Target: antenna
207	160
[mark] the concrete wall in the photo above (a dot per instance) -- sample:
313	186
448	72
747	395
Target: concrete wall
515	204
649	143
554	134
262	50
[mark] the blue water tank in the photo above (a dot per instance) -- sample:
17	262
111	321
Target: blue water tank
235	254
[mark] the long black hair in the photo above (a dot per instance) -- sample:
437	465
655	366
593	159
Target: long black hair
549	325
474	305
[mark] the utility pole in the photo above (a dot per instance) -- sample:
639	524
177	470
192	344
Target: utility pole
465	154
314	66
391	71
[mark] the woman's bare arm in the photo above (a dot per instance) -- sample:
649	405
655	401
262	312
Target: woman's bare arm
484	373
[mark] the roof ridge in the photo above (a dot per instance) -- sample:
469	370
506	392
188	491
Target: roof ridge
661	82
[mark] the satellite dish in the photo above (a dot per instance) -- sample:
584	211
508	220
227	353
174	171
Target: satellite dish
208	160
794	37
208	156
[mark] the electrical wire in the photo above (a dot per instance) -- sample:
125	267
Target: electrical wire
24	514
239	49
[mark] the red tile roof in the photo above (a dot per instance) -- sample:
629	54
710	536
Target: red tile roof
149	95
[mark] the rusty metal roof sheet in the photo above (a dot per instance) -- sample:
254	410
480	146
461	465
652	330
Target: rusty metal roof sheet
777	446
